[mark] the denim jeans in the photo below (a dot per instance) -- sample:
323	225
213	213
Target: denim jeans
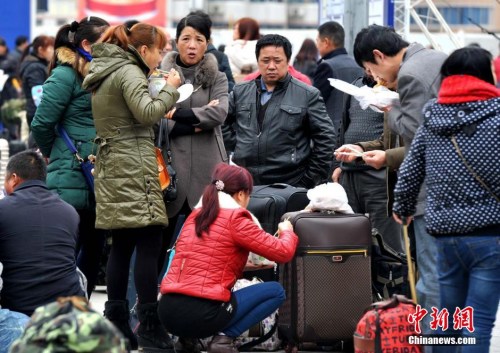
254	304
12	326
469	275
427	285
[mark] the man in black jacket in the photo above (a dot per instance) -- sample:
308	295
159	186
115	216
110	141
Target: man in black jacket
334	63
282	132
38	233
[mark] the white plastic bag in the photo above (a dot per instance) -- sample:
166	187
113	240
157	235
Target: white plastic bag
329	196
376	98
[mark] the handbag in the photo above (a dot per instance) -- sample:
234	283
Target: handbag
170	191
85	164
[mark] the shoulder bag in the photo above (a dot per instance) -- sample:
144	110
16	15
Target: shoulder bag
86	165
170	189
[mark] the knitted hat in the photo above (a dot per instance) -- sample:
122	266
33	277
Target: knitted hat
69	325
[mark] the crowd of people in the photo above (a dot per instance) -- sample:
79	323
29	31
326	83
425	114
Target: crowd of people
254	117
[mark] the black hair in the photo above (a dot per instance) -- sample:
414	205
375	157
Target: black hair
377	37
198	22
473	61
28	165
333	31
130	23
3	43
21	40
72	35
274	40
202	14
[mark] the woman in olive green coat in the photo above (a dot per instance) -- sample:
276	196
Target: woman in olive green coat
127	188
65	103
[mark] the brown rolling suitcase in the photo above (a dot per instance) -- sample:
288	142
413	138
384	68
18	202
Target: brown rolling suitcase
328	283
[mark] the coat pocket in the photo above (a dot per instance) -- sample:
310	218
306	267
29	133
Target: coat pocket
290	117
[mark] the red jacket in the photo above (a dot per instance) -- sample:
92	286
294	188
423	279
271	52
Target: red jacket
208	267
291	70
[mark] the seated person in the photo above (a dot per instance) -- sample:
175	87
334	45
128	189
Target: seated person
11	324
211	253
69	325
38	233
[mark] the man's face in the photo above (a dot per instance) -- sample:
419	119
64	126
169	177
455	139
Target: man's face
273	64
322	45
384	70
10	183
3	50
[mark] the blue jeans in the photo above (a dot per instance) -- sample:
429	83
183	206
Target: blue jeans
12	326
469	275
427	285
254	304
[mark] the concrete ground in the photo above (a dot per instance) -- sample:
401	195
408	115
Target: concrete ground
99	297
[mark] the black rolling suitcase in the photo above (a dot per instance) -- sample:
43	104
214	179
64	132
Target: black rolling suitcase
328	283
269	202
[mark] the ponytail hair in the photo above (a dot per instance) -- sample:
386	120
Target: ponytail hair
72	35
138	35
225	178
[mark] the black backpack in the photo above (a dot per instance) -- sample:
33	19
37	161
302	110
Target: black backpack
389	270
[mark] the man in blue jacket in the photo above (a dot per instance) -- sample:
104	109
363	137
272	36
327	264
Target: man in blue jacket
38	233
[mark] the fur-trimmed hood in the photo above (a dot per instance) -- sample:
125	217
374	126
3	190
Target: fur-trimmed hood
66	56
205	71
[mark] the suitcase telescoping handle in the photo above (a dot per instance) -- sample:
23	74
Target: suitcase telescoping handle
411	273
279	186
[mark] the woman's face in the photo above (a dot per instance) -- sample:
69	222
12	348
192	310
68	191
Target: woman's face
46	52
152	56
242	198
236	31
191	46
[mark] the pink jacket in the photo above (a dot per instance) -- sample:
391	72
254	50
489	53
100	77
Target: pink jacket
291	70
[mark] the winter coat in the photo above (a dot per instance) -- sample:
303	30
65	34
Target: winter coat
33	72
419	79
241	55
336	64
195	154
9	66
223	62
65	102
208	267
38	236
456	202
281	152
127	187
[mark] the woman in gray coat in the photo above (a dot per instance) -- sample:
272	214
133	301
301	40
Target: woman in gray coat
195	124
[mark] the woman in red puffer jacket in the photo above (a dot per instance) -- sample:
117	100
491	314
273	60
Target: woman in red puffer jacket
211	253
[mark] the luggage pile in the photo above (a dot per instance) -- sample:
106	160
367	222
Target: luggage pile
339	268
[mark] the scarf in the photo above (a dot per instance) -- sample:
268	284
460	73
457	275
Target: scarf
85	54
465	88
